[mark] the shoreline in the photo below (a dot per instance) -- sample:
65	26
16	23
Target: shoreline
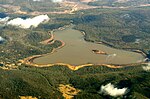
29	60
109	45
50	40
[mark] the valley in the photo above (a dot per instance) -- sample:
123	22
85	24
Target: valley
74	49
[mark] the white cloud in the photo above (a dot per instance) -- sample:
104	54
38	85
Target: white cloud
147	68
4	20
1	39
57	0
27	23
109	89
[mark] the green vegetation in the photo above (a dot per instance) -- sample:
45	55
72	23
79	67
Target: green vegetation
44	82
31	5
124	29
22	43
118	3
120	28
127	29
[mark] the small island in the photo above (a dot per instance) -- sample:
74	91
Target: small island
99	52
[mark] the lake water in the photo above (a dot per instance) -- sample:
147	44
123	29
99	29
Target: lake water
78	52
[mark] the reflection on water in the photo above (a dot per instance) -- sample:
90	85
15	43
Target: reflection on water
78	52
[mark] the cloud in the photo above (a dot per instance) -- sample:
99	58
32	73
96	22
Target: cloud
27	23
109	89
1	39
57	0
147	68
4	20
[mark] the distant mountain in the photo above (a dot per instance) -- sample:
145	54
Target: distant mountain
25	6
90	2
119	2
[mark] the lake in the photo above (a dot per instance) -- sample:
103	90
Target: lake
78	52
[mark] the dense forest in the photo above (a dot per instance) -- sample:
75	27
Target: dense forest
44	82
126	29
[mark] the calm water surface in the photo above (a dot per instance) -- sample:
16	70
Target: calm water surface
77	51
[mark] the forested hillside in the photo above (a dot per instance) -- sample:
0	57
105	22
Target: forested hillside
127	29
